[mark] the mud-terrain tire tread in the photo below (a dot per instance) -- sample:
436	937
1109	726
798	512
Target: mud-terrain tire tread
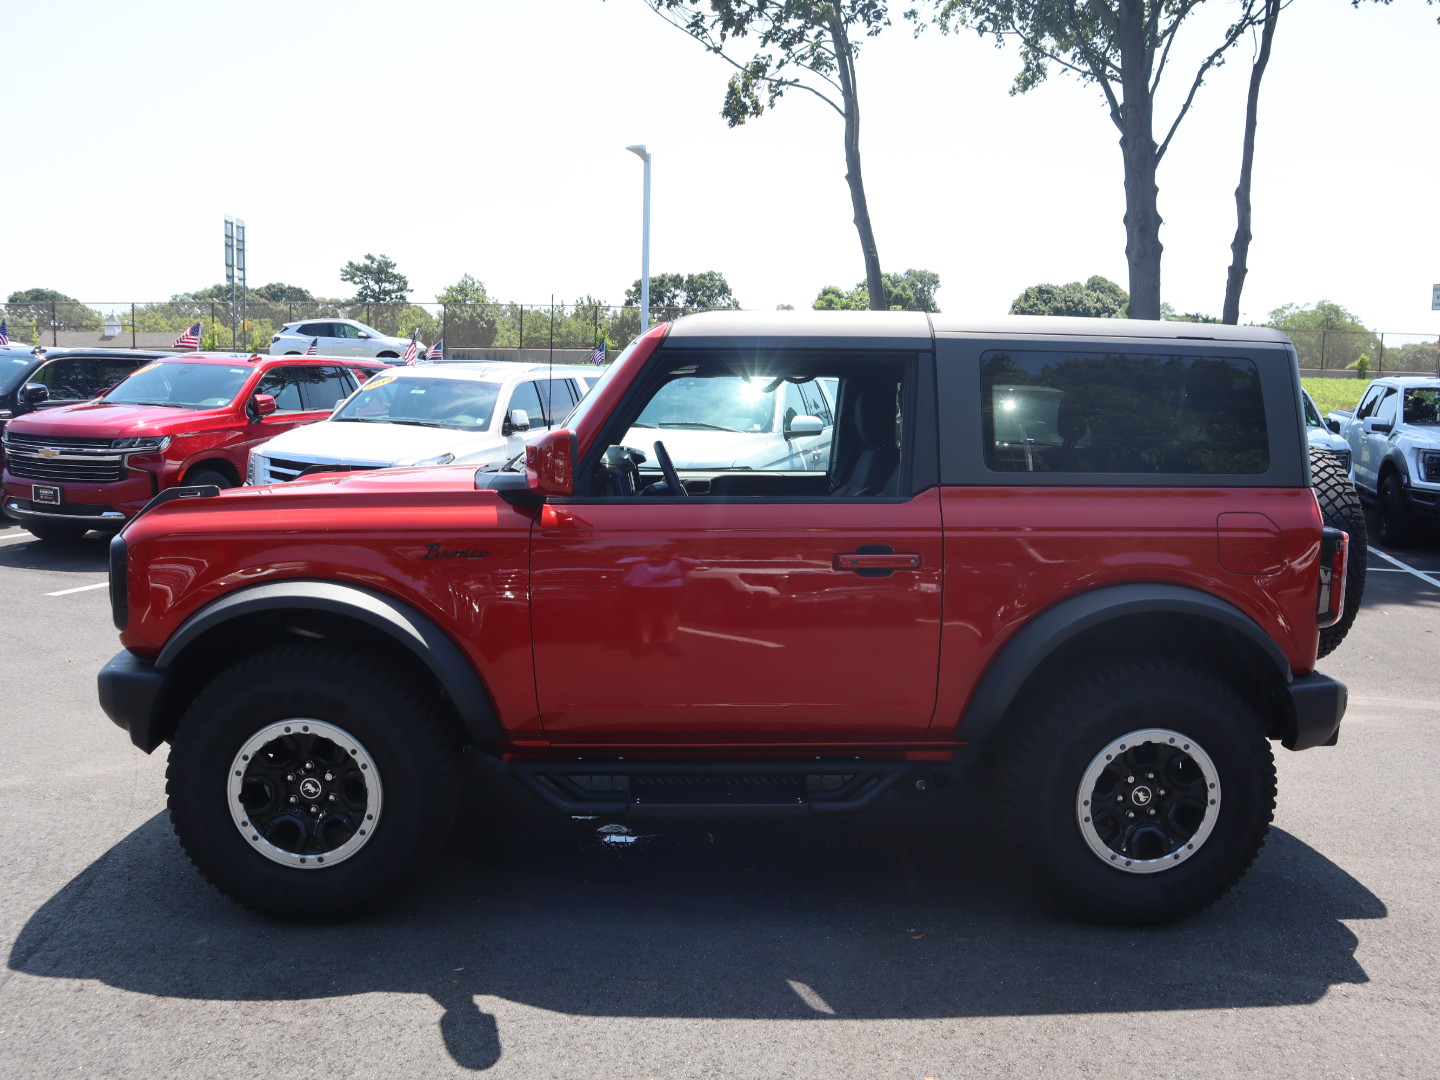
416	757
1040	760
1341	507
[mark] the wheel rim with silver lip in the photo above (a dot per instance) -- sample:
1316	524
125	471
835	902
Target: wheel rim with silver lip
1148	801
304	793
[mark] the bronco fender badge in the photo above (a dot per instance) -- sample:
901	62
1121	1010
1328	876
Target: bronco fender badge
435	551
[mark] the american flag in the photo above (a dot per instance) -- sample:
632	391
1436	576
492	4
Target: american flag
314	349
4	332
412	350
436	351
598	356
190	339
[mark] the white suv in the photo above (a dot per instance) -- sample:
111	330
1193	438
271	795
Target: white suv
431	414
339	337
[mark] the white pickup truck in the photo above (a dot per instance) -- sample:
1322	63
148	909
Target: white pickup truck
1394	439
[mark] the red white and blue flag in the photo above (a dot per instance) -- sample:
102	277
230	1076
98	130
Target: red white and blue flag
314	349
4	332
412	350
190	339
436	351
598	356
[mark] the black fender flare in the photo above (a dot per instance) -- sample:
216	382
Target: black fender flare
1044	635
396	619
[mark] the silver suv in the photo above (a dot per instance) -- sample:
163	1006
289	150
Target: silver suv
339	337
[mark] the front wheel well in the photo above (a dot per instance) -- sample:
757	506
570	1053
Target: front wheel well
223	646
219	465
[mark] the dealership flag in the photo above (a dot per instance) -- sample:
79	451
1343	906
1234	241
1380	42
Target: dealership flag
437	351
190	339
4	332
314	349
412	350
598	356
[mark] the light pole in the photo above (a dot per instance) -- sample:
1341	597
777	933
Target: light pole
644	155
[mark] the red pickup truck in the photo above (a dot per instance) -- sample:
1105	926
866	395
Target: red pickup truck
188	419
1082	556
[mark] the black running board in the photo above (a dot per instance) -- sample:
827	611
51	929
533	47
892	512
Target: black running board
708	789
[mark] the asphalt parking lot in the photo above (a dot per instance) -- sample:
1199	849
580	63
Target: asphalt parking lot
892	944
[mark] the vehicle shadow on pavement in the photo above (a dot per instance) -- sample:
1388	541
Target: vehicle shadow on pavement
905	912
90	554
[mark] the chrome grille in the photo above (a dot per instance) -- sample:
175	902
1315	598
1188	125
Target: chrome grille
281	470
65	468
16	441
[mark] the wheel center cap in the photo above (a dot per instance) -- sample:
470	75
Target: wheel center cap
1141	796
310	788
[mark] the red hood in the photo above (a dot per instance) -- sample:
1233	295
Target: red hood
100	419
422	479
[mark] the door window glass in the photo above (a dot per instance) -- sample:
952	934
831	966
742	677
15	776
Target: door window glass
527	397
1389	406
284	385
330	386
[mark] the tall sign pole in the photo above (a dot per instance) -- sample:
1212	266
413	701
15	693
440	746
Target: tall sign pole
1435	306
230	271
244	283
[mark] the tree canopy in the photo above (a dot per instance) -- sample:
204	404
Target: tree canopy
805	45
468	290
914	290
1096	298
47	308
691	292
376	280
1325	334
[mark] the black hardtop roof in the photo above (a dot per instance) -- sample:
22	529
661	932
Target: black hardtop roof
907	329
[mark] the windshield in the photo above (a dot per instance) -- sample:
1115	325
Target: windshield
13	368
1312	414
730	403
182	385
1422	406
461	404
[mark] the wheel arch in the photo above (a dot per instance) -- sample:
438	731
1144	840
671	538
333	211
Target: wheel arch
1135	621
235	625
218	464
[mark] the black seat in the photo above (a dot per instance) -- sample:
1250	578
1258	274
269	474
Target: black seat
875	467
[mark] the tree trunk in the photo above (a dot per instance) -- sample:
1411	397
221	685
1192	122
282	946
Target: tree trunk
1240	246
1138	149
845	63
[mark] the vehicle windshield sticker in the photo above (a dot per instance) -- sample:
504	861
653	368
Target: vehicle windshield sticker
150	367
375	383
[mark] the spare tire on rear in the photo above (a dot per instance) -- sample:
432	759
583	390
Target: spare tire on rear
1341	508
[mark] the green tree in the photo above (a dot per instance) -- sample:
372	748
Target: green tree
1325	334
470	314
1096	298
468	290
685	292
44	309
800	44
1122	47
280	293
914	290
376	280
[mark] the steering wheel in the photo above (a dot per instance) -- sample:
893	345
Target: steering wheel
667	467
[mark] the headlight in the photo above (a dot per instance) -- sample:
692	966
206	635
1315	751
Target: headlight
146	443
442	459
250	471
1430	466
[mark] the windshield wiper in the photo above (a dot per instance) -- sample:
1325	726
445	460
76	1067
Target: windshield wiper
162	404
696	424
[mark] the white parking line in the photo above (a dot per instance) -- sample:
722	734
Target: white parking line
82	588
17	536
1429	579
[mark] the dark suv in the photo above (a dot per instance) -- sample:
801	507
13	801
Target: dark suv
33	379
1078	561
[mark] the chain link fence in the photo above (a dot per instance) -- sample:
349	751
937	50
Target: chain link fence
470	331
527	331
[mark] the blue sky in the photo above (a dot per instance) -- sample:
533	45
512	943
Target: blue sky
488	137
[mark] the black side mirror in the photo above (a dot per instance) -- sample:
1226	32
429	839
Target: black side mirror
33	394
1333	425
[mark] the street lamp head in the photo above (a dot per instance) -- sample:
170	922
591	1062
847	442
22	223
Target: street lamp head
640	152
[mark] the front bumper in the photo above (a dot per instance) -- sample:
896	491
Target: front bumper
131	693
1319	705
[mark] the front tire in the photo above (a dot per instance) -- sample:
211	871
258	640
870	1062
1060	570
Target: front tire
1138	793
1397	525
208	477
310	782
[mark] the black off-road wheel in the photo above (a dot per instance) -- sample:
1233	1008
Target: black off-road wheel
1342	509
1138	793
1397	524
311	783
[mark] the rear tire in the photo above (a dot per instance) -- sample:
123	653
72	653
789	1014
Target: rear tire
1342	510
1139	793
1397	524
56	530
310	782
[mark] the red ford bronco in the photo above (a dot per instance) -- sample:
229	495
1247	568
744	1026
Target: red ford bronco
1083	556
